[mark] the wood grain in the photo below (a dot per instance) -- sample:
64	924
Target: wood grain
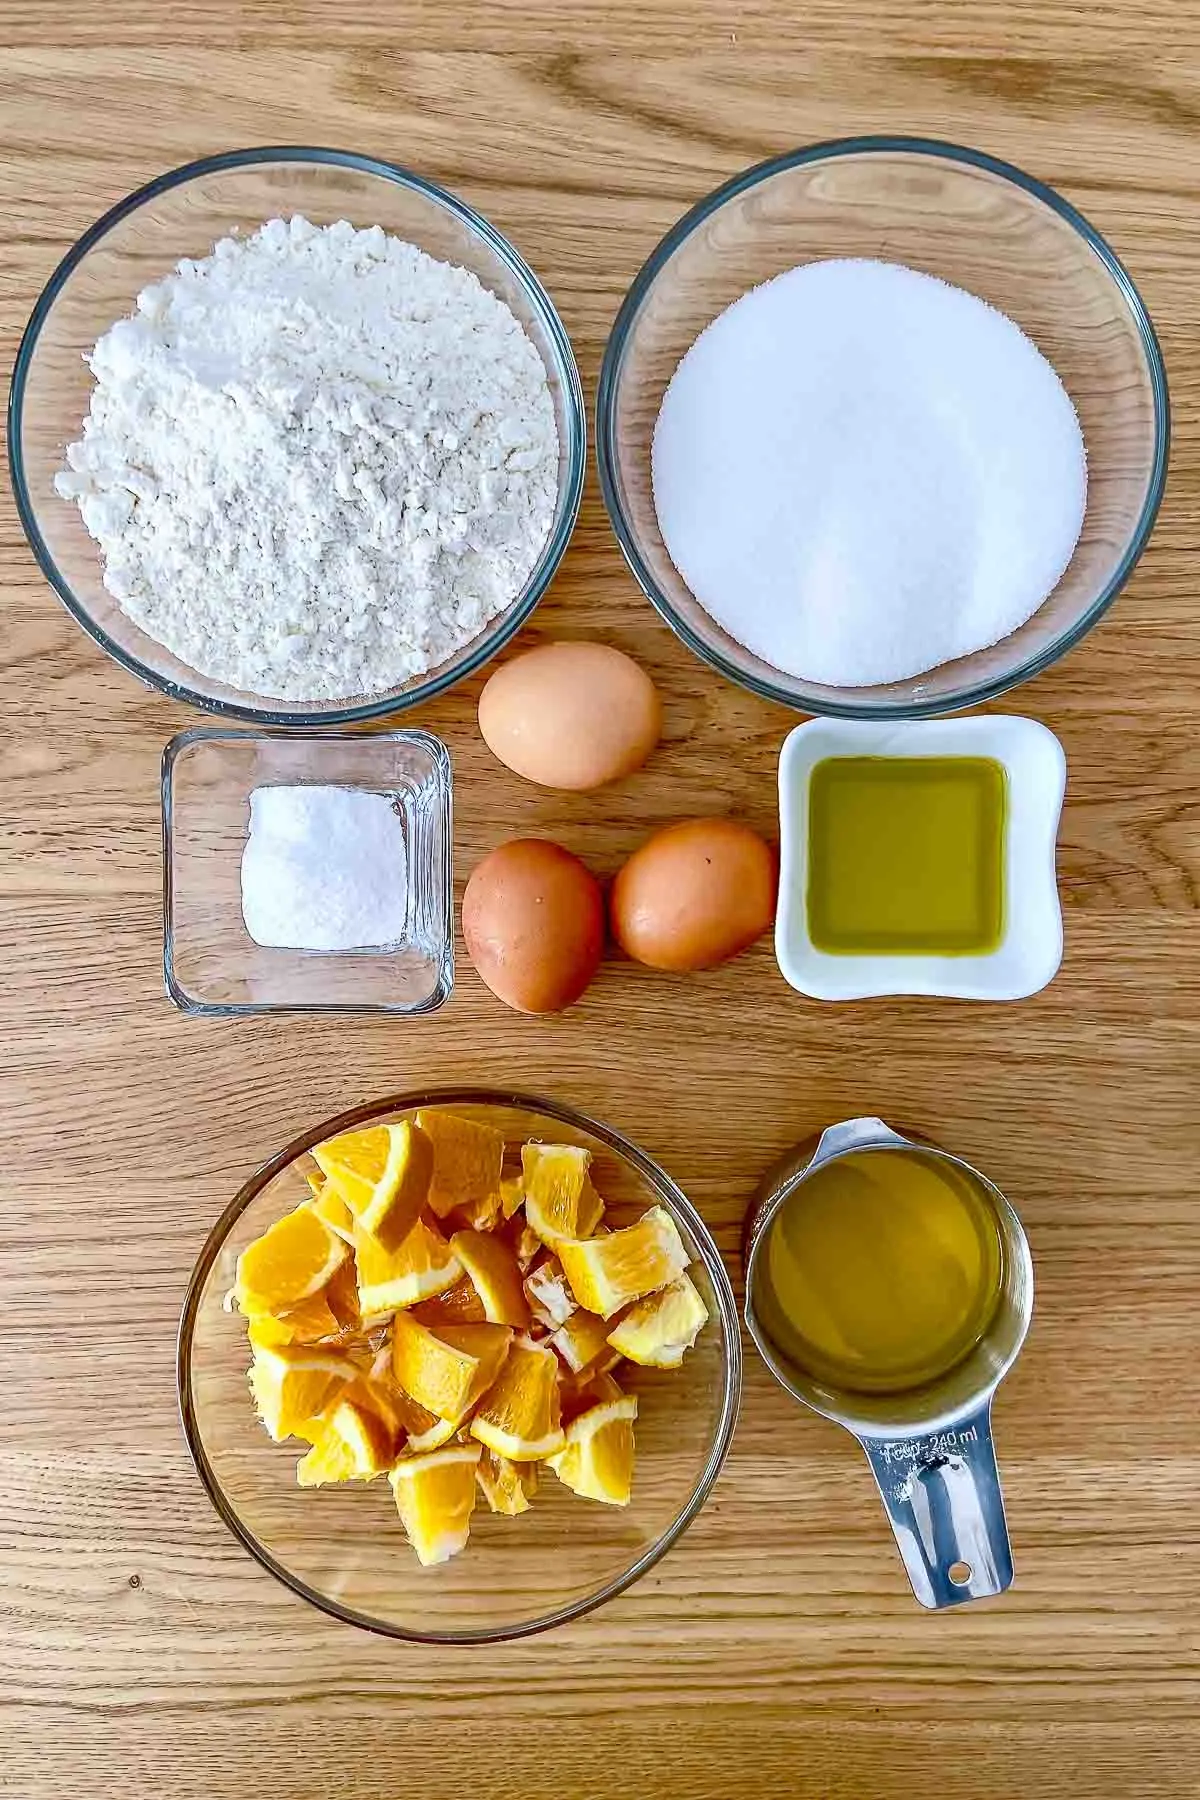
776	1651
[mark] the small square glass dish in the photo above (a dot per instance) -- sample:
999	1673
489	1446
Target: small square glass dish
211	963
918	858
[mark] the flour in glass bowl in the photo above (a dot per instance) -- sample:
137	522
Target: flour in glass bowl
317	462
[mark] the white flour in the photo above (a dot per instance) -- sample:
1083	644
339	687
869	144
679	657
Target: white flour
317	462
862	472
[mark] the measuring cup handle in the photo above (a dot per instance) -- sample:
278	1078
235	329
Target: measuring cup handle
942	1494
854	1134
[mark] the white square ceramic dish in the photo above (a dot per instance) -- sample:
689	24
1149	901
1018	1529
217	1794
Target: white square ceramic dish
1030	949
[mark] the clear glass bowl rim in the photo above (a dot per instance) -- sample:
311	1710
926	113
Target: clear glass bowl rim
241	1009
491	640
650	1171
614	352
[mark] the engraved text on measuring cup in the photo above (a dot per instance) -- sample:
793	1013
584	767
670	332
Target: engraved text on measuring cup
914	1454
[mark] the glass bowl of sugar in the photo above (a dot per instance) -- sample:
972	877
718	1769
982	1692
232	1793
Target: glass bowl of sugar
882	428
297	436
307	871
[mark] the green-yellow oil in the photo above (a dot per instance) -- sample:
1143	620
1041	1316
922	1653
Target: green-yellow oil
906	855
881	1271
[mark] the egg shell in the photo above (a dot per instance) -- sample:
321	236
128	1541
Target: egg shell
571	715
695	894
533	918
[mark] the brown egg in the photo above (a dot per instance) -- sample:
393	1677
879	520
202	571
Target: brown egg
533	918
571	715
694	894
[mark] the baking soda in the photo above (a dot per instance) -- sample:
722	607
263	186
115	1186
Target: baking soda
324	869
862	472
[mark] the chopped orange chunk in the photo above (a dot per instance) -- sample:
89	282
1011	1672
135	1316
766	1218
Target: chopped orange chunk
292	1260
560	1201
658	1330
374	1391
446	1370
519	1416
606	1273
423	1429
597	1459
467	1160
354	1446
492	1269
307	1323
582	1340
435	1497
395	1206
293	1383
507	1486
423	1266
367	1168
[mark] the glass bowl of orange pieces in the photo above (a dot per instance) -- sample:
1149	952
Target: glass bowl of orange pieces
459	1366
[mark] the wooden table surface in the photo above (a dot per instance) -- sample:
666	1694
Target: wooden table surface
777	1650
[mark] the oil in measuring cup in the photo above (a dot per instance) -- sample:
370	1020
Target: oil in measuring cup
881	1271
889	1287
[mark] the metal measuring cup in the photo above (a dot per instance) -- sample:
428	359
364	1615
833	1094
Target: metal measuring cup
930	1449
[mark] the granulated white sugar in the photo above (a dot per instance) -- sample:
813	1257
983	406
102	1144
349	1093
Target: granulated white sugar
862	472
323	868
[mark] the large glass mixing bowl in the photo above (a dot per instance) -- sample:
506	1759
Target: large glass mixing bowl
343	1547
976	222
184	213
